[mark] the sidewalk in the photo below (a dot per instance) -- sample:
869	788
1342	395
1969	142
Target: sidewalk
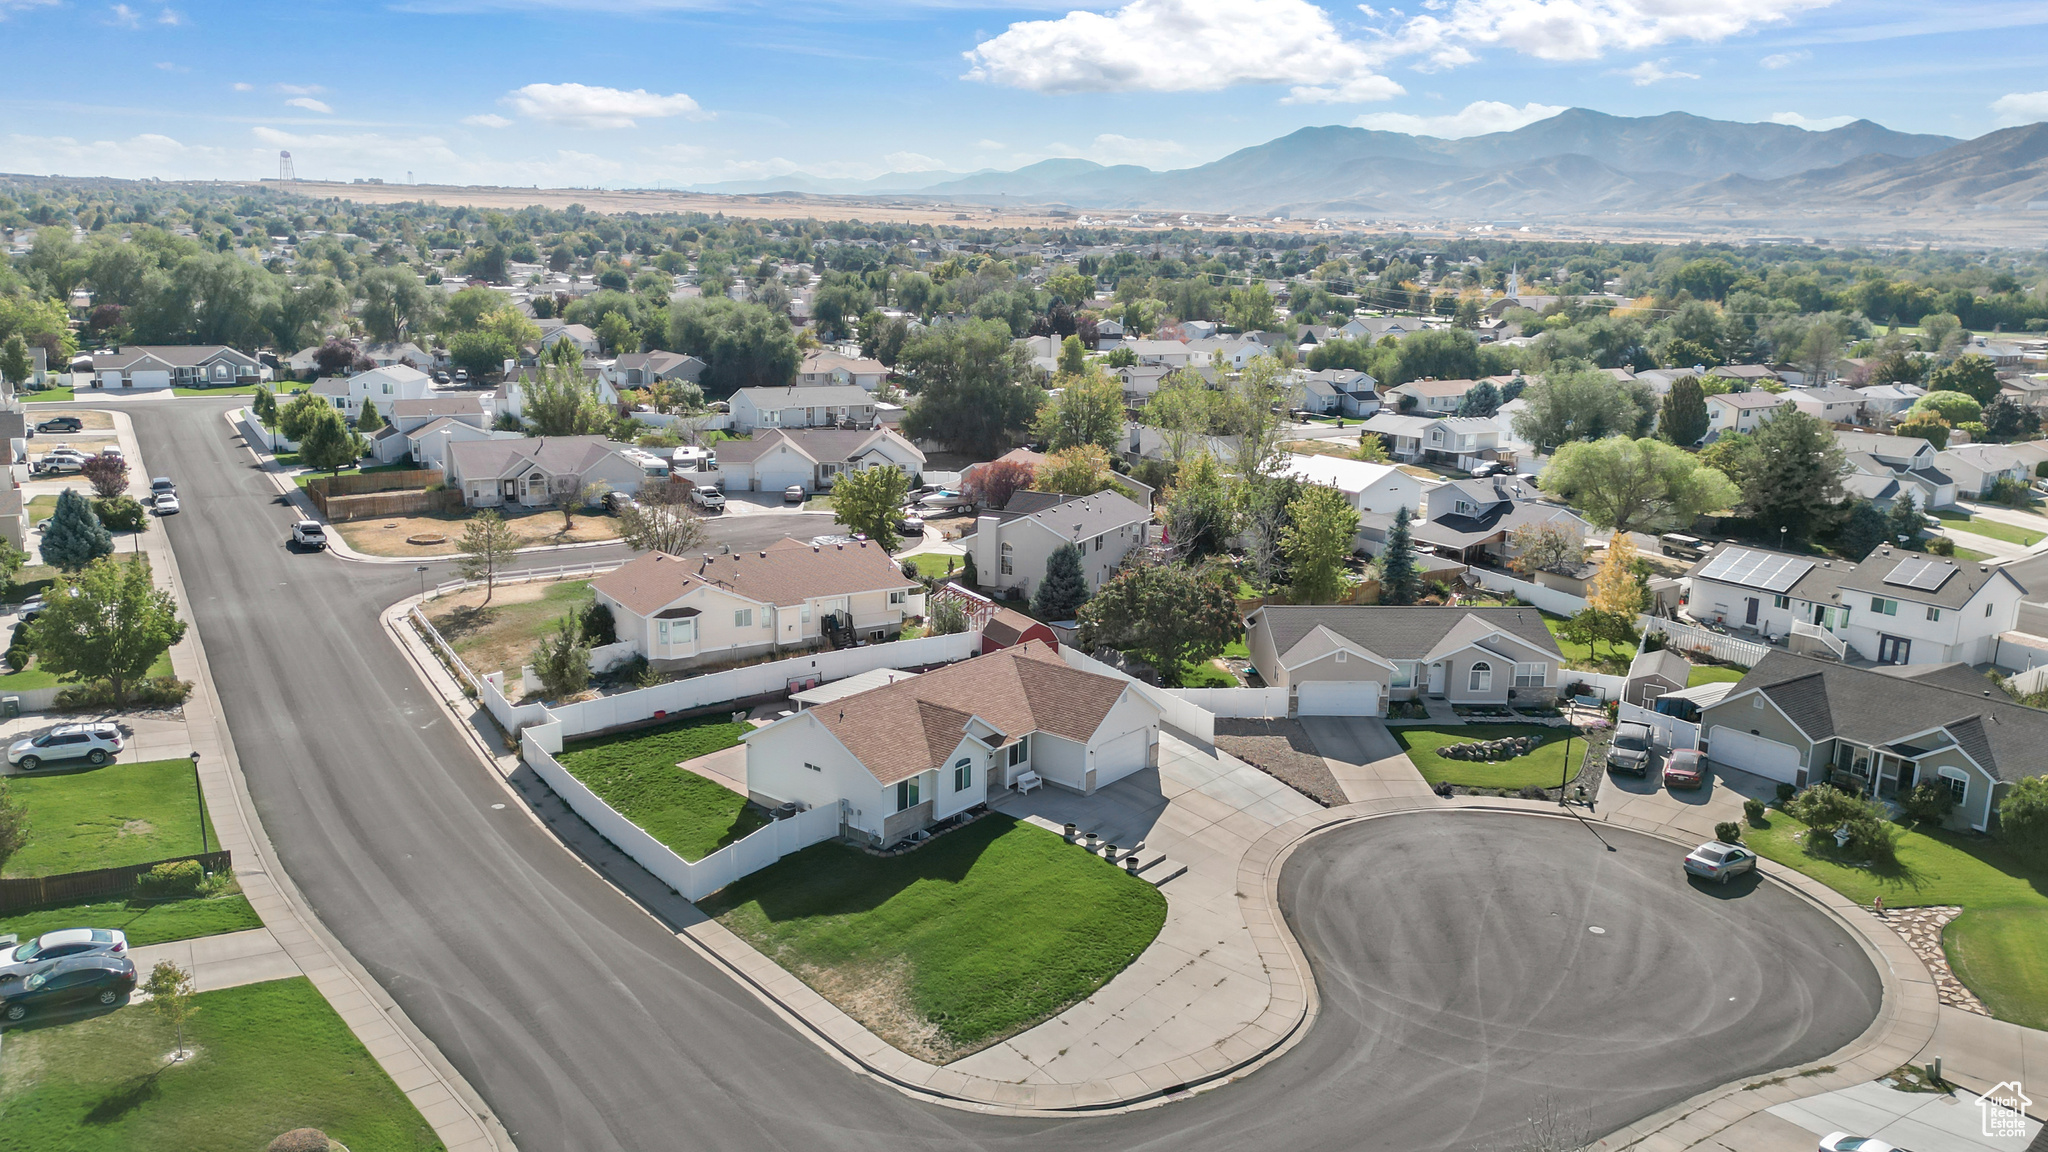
222	961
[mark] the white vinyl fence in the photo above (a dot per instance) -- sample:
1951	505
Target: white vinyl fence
1549	599
1687	638
1600	684
1671	732
1185	715
1249	703
693	880
259	437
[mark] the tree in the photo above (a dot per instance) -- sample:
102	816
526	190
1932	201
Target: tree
335	356
1073	356
871	501
615	334
1582	403
1400	582
1928	426
1320	533
298	416
170	997
562	402
660	520
1445	353
1973	375
1616	588
583	497
369	419
73	537
15	364
1481	400
2007	419
109	622
995	482
1081	471
1793	475
264	405
1547	547
2023	819
1863	529
1372	448
480	352
108	475
1088	409
394	303
328	443
969	380
1064	589
486	548
597	625
1636	485
1953	407
1197	509
561	662
742	345
1904	523
1683	418
1251	309
1167	615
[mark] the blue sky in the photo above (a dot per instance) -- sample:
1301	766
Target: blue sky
675	92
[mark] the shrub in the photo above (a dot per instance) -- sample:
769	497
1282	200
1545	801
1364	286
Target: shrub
1940	546
172	881
1728	832
1654	641
301	1140
2023	819
910	570
121	513
2007	490
1534	792
18	652
1753	811
1785	794
1930	802
599	629
2041	469
561	662
1825	808
155	692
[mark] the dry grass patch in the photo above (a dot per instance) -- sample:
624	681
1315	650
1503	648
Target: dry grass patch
389	535
503	633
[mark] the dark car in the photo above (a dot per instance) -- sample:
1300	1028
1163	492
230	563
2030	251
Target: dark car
61	424
1685	769
100	978
162	484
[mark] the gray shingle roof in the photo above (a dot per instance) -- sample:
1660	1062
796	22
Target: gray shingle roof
1398	633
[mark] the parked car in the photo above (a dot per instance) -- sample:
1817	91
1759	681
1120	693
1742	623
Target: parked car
56	466
440	377
1682	546
97	978
794	494
1843	1142
462	378
61	424
164	503
1716	860
113	451
910	523
708	498
61	452
1685	769
1633	750
34	605
94	743
617	501
1489	468
308	534
161	484
17	960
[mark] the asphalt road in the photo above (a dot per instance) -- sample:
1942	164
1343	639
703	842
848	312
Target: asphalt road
588	1027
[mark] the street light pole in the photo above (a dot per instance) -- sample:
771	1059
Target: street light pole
201	794
1566	779
422	570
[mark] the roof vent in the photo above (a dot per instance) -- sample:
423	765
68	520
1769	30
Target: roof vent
764	555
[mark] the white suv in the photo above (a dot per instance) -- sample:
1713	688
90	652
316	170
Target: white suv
95	743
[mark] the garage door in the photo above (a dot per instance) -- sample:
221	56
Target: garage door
1339	698
1122	756
1734	748
775	480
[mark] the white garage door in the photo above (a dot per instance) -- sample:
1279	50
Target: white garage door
1122	756
1339	698
775	480
1734	748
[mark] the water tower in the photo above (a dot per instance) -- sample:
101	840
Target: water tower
284	167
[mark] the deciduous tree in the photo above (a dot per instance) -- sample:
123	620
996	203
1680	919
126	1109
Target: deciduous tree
1636	485
1080	471
1088	409
1973	375
108	475
993	483
871	501
562	402
328	444
1582	403
487	548
170	992
109	622
1167	615
1617	590
1321	529
660	520
970	385
1547	547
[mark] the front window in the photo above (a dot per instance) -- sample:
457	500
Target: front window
1482	677
743	618
1934	614
1020	751
1958	786
1404	674
895	598
963	775
1884	607
906	794
1529	675
1781	601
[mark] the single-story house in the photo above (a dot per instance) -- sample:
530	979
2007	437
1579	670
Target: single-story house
535	472
1432	397
812	458
148	366
1351	660
640	369
1878	731
1889	399
1011	546
897	759
1976	467
554	331
1751	375
802	406
679	612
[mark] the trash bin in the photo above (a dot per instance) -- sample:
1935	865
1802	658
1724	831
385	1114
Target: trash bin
10	706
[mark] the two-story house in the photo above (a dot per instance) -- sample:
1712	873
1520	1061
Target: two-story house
1457	441
1471	520
812	458
1742	411
1831	403
681	612
1370	488
1010	546
383	387
823	367
1878	731
1340	392
553	332
141	367
803	406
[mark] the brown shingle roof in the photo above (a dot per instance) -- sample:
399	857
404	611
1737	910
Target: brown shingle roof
902	729
1006	626
787	572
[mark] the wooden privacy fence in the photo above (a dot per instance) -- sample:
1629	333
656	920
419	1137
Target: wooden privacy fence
371	505
67	887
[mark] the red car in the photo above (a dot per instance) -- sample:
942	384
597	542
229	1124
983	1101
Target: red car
1685	769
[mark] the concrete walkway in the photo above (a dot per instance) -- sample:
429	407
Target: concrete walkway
1921	1121
1365	758
222	961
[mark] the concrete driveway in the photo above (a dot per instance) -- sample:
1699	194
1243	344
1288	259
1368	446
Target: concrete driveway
1364	757
1645	802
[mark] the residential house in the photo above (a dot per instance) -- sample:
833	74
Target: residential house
538	471
1432	397
1340	392
1878	732
1660	380
510	396
406	352
1370	488
1470	521
1832	403
468	408
1976	467
803	406
384	387
428	443
1741	411
1908	460
1010	546
812	458
1751	376
14	525
433	420
1165	353
554	331
1887	401
1894	607
641	369
683	612
1374	329
824	367
1461	442
1351	660
1654	673
1109	335
1140	381
897	759
140	367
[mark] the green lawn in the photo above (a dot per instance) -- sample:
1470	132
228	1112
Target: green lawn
267	1058
41	508
1545	767
34	677
290	461
1207	675
1236	650
1997	530
974	937
818	504
502	634
1713	674
49	396
106	817
1971	555
229	390
1612	660
145	921
1995	946
934	564
636	773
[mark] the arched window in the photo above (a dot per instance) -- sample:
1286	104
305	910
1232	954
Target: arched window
1482	677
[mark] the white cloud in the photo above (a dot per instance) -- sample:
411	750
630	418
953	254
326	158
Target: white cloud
122	16
1181	46
134	158
1778	60
1583	29
1652	71
242	86
990	144
300	89
1817	124
168	66
310	105
7	6
2021	107
587	106
170	17
1474	119
1110	148
912	162
488	120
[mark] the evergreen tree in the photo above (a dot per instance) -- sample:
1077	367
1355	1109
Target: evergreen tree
1064	589
328	444
1795	480
74	536
1683	418
1904	523
371	419
1482	399
967	572
1863	529
1400	583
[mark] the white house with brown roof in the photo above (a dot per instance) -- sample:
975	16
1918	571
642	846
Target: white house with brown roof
826	367
1742	411
678	611
802	406
536	472
1011	546
813	458
900	758
140	367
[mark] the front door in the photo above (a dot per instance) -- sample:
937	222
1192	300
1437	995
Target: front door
1436	679
1749	617
1893	649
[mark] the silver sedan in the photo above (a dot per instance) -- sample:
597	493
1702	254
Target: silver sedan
1716	860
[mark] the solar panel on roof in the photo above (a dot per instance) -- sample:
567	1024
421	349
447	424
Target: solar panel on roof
1926	575
1766	570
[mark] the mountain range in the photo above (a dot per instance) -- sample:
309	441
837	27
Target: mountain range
1576	164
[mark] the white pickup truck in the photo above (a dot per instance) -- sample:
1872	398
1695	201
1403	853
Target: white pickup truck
707	498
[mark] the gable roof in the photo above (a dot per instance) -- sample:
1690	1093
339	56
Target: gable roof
1753	399
1664	663
786	572
555	455
1401	633
806	396
434	407
1074	517
1335	472
913	726
820	444
175	355
1435	387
